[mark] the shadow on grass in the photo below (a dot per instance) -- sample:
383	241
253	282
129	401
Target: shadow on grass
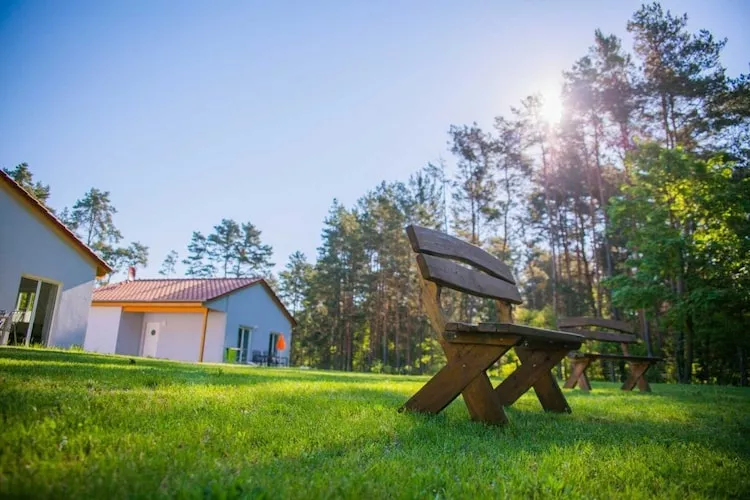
292	442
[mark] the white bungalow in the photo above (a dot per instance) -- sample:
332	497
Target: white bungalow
212	320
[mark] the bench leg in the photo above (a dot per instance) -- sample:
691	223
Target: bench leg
464	372
578	375
535	370
637	376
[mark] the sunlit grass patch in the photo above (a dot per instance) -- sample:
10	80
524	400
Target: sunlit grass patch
82	425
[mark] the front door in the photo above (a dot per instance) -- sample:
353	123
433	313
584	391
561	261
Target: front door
151	339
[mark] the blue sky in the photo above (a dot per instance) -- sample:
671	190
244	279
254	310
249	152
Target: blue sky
188	112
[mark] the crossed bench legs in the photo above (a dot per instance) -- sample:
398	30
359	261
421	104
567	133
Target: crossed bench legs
637	377
465	373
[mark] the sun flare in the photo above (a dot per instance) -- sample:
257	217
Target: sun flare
551	107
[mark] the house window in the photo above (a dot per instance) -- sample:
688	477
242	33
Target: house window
244	339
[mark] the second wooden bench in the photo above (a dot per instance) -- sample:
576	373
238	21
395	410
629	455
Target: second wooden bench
620	332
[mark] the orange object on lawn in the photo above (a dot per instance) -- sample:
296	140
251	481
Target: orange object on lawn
280	343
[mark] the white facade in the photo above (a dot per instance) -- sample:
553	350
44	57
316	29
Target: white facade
102	330
33	248
177	335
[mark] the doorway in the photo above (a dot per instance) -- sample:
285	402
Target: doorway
244	339
150	339
35	309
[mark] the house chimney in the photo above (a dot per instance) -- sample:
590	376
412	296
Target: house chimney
131	273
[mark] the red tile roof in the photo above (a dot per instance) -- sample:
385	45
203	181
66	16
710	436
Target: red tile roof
171	290
102	268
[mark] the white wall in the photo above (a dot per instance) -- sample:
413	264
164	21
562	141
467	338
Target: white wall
179	335
253	306
29	246
217	325
130	334
101	333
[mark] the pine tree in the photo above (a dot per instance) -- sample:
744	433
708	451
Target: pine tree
23	176
168	267
197	260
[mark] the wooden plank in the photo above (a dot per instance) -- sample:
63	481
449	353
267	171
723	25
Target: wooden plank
479	395
612	324
448	273
431	242
467	363
461	327
578	375
537	363
637	373
532	333
594	355
546	388
504	312
482	338
624	338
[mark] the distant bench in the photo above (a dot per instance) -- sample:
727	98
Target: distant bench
620	332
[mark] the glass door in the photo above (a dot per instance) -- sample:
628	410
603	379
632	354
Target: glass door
35	306
244	338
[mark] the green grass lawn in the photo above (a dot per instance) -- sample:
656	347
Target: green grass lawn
91	426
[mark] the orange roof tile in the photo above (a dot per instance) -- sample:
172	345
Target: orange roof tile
171	290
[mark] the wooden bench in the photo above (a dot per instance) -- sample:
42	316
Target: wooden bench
471	349
616	331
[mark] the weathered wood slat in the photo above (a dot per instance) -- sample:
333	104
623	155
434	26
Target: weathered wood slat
625	338
461	327
452	275
578	375
637	376
431	242
468	363
532	334
547	389
593	355
479	395
481	338
493	333
534	366
612	324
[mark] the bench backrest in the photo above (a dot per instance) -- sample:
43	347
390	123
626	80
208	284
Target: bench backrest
437	256
620	331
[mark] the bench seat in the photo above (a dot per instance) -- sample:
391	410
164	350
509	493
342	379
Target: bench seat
509	334
624	357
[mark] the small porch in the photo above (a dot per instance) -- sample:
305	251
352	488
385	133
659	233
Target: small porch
243	353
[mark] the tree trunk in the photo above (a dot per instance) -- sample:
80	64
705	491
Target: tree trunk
566	257
689	336
586	268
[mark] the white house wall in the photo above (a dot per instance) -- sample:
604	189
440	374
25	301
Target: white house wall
179	335
217	324
103	325
30	247
130	334
254	307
